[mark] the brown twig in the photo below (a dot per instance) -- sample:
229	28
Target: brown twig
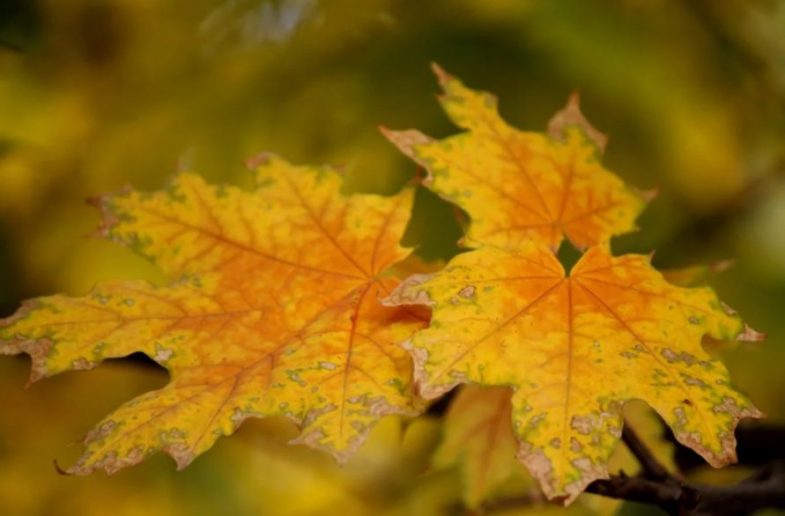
656	486
761	490
757	492
652	468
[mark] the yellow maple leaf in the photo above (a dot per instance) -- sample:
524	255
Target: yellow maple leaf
517	186
575	348
273	310
478	436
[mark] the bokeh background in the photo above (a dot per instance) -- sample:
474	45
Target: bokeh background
97	94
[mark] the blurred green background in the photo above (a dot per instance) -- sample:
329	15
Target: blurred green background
97	94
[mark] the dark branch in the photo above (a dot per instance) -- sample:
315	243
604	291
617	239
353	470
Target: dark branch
759	445
762	490
669	496
765	489
652	468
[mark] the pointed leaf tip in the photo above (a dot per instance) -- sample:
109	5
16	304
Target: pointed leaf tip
750	334
406	140
648	195
571	115
441	75
259	160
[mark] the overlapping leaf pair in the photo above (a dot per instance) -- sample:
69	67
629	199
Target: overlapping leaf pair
274	307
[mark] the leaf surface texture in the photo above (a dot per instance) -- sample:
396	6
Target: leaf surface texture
575	348
272	311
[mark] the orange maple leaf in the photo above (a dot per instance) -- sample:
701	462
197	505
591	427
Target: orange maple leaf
520	187
273	310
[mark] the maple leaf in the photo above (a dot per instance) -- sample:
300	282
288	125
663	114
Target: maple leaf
575	348
517	186
478	435
273	310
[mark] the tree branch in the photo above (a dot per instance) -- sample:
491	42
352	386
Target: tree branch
655	485
757	492
652	468
765	489
669	496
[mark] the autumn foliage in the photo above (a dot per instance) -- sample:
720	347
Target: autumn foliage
293	298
